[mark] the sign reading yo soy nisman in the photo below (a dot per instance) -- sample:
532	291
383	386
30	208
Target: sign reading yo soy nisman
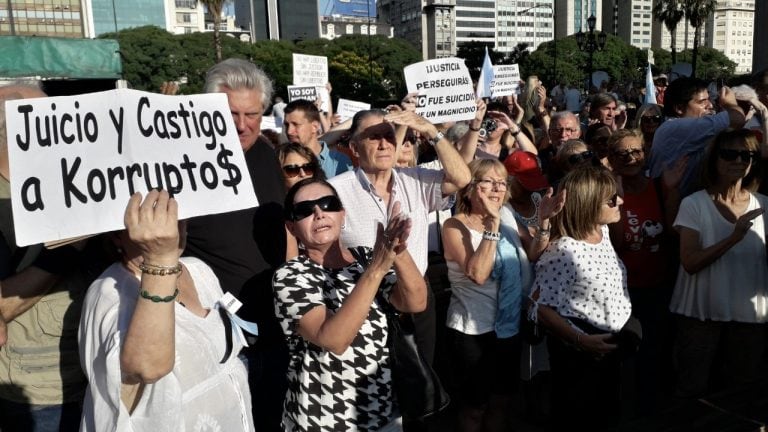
76	160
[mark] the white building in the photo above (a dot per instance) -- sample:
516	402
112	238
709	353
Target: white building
731	31
189	16
429	25
630	20
571	16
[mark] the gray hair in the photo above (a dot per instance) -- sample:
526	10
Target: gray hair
562	115
238	74
13	91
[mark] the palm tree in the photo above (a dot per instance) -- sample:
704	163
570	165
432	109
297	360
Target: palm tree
214	8
669	12
698	11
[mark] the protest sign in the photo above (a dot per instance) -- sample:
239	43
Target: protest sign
444	89
268	122
309	69
302	92
76	160
506	80
348	108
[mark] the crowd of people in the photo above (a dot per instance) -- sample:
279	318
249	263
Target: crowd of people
606	253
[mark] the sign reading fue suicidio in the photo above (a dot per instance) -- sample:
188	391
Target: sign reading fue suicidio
76	160
444	88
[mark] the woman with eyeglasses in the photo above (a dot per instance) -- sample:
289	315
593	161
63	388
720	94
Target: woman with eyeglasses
643	239
297	163
647	119
584	304
572	154
485	268
328	301
720	298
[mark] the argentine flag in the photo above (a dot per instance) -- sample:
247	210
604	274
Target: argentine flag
486	77
650	88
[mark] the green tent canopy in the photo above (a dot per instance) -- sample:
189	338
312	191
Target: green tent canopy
59	58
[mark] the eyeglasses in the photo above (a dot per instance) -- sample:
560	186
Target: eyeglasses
730	155
295	170
303	209
561	131
651	119
578	158
613	201
500	185
626	154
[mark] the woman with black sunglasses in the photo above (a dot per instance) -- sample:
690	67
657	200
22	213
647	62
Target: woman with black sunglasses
582	300
720	296
327	302
647	119
297	163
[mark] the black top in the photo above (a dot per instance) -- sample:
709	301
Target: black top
245	247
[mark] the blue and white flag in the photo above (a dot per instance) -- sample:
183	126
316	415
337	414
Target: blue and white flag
486	77
650	88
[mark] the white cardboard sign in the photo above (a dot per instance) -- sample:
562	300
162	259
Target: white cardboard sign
308	92
348	108
444	88
309	69
75	160
506	80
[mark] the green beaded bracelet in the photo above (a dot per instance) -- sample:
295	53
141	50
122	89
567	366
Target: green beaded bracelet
158	299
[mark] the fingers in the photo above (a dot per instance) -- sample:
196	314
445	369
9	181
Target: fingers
131	217
748	216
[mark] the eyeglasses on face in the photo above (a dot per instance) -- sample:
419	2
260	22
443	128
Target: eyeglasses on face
613	201
651	119
578	158
486	184
295	170
303	209
730	155
561	131
626	154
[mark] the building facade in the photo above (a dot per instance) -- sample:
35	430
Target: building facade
59	18
571	16
630	20
429	25
294	20
731	31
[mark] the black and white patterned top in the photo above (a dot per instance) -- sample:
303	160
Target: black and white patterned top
328	392
585	281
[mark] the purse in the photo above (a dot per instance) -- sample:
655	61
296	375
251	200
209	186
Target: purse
417	387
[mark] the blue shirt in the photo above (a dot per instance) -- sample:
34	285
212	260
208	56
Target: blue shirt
685	136
333	162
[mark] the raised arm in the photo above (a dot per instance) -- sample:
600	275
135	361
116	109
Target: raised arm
336	331
456	170
467	144
149	345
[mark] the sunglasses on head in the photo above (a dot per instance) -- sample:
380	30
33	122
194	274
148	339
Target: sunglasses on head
613	200
294	170
578	158
651	119
303	209
731	155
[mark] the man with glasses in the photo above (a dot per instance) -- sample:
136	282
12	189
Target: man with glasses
690	127
563	126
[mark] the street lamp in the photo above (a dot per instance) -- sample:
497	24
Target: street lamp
589	43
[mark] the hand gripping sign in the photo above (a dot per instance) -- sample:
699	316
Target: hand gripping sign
75	160
444	89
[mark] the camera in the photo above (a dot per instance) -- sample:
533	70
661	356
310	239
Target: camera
488	126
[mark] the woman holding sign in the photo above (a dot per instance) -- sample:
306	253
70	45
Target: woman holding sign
157	338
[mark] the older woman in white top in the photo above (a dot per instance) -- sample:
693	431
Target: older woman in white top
157	353
583	302
721	295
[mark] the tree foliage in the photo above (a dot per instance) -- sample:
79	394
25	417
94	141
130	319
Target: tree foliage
697	12
368	69
670	13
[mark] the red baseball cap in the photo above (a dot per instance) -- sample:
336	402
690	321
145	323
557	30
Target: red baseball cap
525	167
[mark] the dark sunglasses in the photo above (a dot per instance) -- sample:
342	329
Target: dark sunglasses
651	119
294	170
578	158
303	209
613	200
731	155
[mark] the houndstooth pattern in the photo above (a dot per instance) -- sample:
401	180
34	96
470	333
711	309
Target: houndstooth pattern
328	392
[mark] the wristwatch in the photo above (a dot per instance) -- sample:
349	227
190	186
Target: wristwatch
433	141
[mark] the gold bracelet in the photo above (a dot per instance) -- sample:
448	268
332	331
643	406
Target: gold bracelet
158	270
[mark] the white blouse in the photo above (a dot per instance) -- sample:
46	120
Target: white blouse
200	394
735	286
585	281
